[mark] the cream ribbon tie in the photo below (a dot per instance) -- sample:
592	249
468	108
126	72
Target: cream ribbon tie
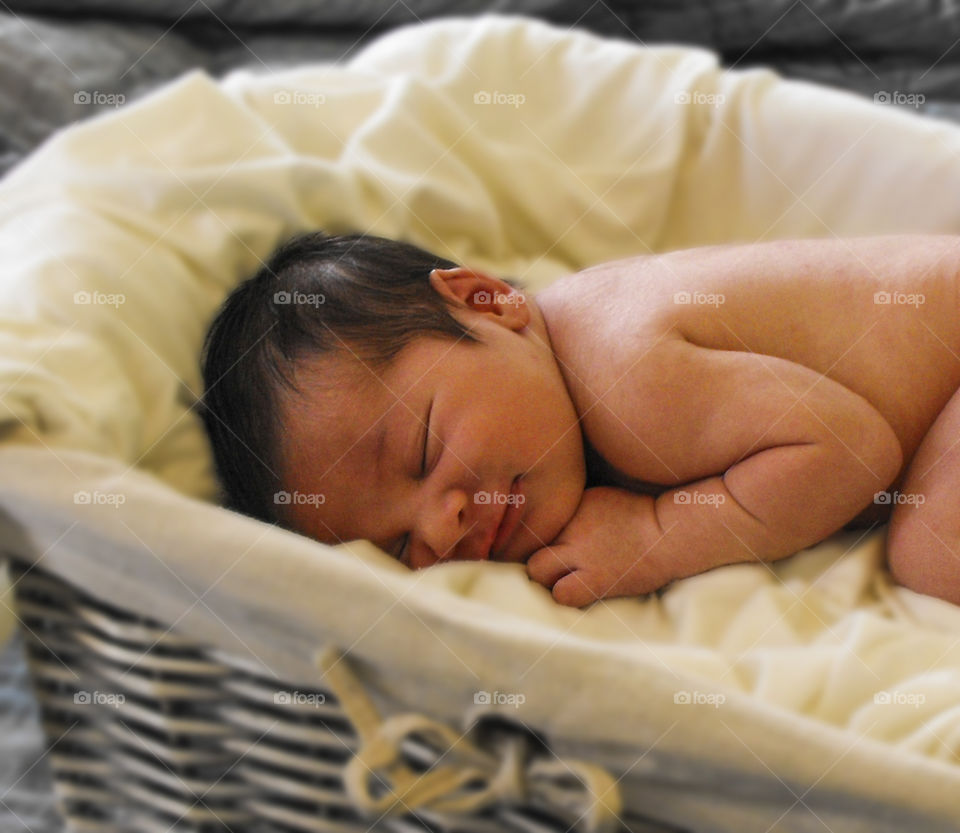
585	793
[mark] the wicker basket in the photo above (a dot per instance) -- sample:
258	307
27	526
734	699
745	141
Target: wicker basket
149	731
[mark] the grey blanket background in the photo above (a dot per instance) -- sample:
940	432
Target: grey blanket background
55	54
62	61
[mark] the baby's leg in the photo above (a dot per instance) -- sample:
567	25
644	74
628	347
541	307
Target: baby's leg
923	546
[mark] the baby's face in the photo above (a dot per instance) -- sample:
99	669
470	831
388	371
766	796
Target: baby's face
502	432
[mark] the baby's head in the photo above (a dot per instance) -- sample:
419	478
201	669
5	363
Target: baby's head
323	372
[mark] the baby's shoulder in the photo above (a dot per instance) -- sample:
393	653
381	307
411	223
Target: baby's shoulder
602	316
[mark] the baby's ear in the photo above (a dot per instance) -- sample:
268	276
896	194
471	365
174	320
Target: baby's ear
459	283
483	293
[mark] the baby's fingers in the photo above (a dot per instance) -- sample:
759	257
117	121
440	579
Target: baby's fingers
575	590
571	585
547	566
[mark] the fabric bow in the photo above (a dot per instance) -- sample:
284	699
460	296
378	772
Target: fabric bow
584	792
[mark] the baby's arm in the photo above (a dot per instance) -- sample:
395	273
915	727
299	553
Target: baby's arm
774	456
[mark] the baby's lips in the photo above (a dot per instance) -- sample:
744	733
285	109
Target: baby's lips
510	517
485	541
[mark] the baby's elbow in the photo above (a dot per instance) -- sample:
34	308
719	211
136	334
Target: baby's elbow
880	455
892	456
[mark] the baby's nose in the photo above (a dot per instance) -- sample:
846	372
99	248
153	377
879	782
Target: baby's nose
446	525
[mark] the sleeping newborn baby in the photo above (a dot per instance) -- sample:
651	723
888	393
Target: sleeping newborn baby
635	423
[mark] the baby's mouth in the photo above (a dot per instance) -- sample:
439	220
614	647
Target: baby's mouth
509	520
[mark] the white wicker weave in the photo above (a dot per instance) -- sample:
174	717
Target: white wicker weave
150	732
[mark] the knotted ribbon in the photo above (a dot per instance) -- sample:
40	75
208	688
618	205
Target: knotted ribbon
585	792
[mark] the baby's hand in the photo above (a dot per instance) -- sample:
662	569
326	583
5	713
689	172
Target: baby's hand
606	550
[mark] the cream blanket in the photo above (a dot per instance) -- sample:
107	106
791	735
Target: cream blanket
530	151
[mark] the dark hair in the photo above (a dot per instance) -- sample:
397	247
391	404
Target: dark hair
315	294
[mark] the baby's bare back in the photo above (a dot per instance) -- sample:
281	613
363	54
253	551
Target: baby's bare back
877	315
